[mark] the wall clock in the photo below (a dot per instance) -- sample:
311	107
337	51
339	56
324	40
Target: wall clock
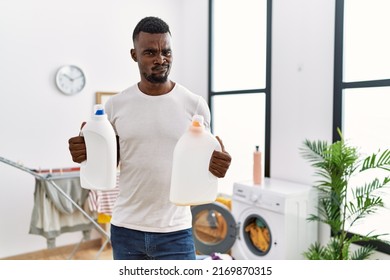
70	79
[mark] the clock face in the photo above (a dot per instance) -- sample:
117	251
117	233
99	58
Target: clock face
70	79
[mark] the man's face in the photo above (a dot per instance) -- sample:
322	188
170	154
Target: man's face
153	54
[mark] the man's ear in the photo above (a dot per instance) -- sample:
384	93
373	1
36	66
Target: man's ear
133	55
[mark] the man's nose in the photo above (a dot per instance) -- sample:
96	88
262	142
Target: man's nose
160	59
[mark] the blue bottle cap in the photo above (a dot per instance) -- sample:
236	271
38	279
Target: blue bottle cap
99	110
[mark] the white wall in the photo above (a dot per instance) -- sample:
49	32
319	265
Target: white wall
37	37
302	82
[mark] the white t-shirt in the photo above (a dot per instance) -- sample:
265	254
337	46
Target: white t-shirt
149	128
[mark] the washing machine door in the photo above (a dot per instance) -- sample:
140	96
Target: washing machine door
213	227
255	238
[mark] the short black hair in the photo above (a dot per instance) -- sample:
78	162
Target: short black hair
153	25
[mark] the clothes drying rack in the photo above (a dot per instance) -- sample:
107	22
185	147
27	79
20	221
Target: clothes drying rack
50	179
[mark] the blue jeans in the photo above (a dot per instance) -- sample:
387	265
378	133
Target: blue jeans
128	244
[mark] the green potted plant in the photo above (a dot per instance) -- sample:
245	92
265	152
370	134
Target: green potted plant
341	205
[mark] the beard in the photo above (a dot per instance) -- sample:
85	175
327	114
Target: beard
157	79
154	79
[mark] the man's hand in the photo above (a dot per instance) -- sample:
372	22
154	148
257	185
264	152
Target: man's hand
77	148
220	161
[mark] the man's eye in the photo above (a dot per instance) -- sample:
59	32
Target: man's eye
167	53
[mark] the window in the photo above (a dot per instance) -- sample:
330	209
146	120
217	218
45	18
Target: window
239	82
362	87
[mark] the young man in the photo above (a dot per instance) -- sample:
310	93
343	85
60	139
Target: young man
149	118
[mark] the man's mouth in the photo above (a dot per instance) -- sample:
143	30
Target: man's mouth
159	68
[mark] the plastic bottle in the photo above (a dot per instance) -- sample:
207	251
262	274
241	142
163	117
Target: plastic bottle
192	183
99	171
257	170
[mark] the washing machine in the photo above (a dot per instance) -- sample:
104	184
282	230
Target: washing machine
267	221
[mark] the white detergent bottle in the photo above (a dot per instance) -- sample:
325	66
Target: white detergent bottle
99	171
192	183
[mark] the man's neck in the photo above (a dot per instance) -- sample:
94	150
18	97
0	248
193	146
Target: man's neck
156	89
